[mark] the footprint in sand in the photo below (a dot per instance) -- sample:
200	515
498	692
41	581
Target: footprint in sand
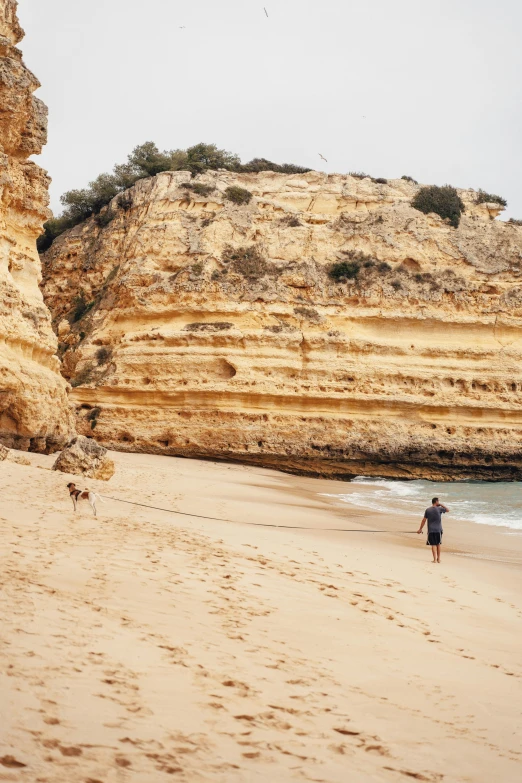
70	751
428	778
11	762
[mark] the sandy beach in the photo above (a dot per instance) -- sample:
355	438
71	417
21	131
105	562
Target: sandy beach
145	646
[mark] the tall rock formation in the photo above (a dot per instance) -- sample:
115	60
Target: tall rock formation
34	411
195	326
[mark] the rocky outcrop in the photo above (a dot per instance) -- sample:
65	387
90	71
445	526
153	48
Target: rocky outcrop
34	411
193	326
83	456
12	456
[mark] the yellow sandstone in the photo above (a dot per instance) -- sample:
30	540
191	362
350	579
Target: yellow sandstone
34	412
210	329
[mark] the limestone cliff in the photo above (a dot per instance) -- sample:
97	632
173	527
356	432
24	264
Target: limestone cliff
34	411
190	325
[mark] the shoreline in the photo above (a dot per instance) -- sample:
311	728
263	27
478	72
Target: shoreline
462	537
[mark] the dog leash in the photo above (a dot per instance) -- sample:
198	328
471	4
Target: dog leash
257	524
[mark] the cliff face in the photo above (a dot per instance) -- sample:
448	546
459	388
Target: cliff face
34	411
204	328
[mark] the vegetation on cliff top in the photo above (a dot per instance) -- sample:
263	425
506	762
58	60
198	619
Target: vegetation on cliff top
444	201
490	198
362	175
146	160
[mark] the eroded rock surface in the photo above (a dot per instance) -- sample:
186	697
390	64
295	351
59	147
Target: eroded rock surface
192	326
83	456
34	412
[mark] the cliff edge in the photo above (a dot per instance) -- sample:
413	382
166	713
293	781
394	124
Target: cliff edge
325	326
34	412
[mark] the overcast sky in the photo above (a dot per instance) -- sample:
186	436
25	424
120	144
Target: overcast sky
389	87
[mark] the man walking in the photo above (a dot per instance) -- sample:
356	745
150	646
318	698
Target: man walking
433	516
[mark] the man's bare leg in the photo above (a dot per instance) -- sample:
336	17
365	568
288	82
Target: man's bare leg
434	553
438	553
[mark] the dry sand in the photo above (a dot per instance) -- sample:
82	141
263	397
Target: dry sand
144	646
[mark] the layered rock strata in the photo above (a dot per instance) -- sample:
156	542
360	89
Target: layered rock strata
34	412
193	326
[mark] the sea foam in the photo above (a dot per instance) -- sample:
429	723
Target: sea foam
482	502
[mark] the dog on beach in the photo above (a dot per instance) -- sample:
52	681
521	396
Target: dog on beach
82	494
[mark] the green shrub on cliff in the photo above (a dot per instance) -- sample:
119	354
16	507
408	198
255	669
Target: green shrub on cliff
83	376
310	313
202	157
344	270
490	198
93	417
104	354
199	188
352	263
105	217
247	261
146	160
444	201
81	307
262	164
238	195
52	229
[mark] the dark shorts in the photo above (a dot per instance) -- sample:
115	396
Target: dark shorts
434	539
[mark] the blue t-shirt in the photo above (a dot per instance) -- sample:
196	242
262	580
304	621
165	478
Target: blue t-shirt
434	516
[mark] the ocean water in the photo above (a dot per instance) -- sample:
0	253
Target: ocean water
483	502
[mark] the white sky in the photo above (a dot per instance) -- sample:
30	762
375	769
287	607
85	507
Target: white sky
389	87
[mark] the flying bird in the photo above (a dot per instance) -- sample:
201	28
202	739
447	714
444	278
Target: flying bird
322	156
266	12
